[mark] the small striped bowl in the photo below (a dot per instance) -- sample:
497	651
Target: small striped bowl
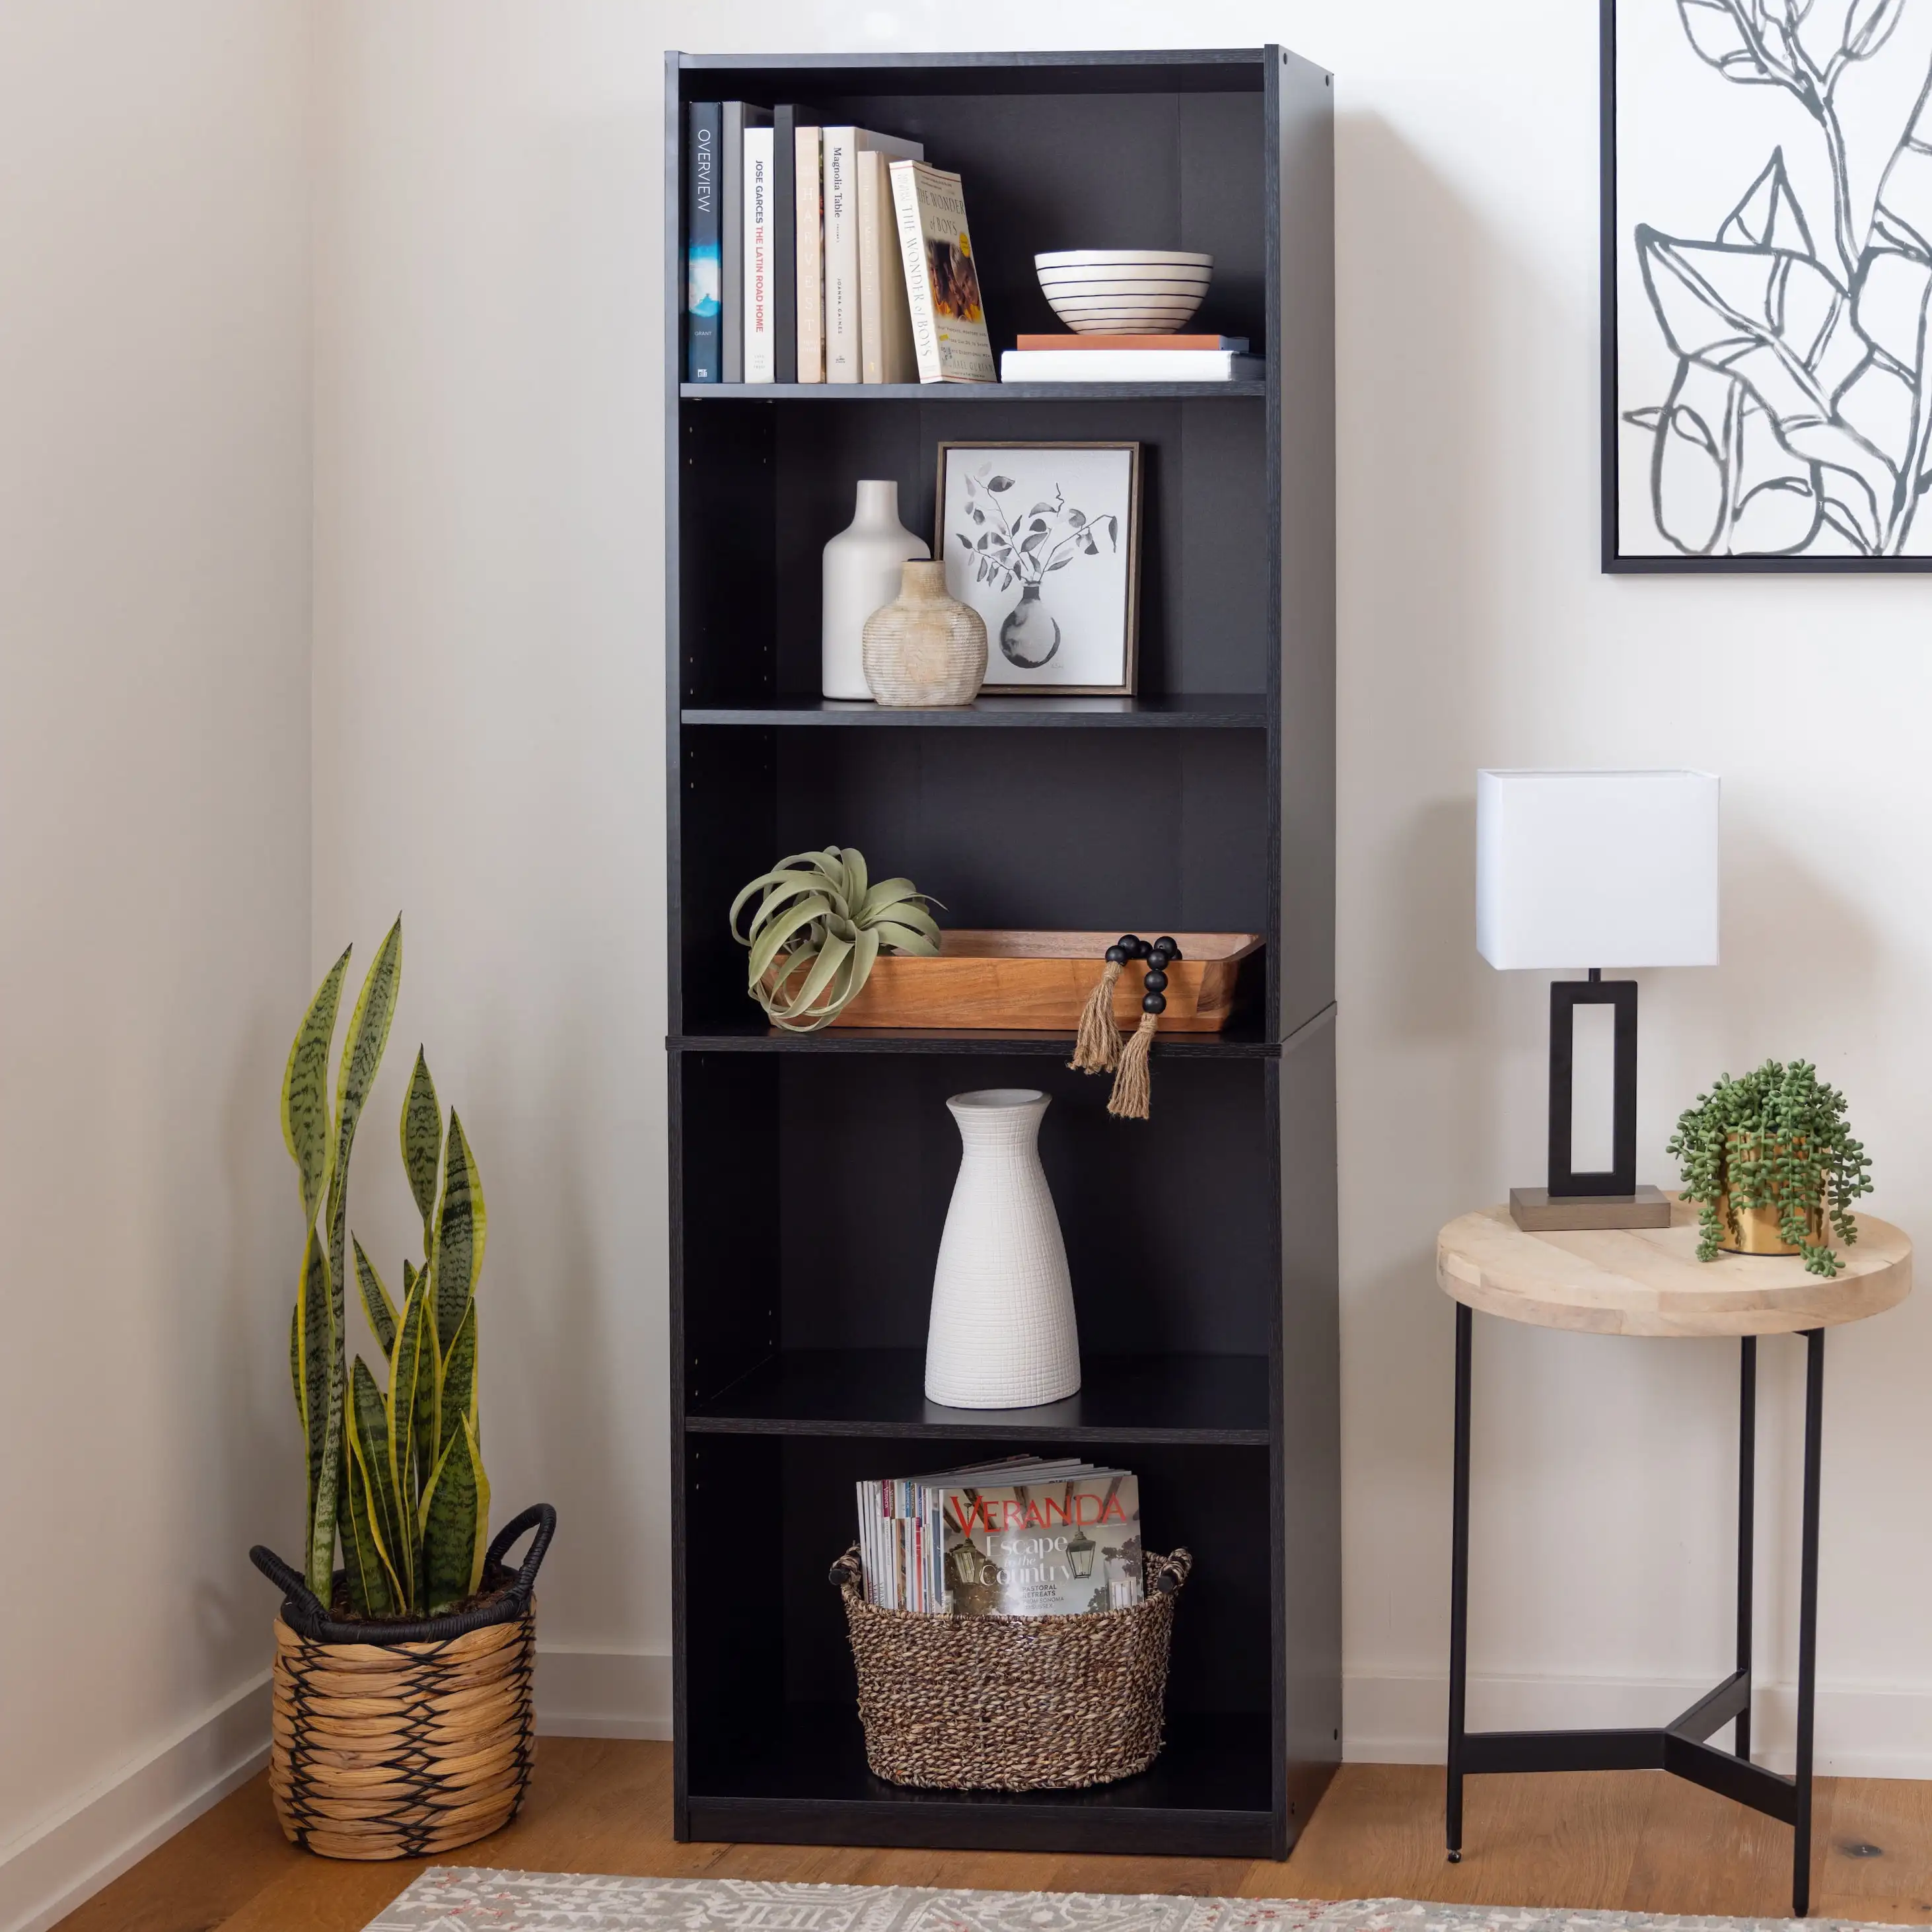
1124	291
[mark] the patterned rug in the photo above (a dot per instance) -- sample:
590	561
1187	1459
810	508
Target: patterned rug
461	1898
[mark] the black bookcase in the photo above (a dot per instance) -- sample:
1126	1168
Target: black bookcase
810	1176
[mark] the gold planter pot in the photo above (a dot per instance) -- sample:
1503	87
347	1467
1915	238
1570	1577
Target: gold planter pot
1756	1232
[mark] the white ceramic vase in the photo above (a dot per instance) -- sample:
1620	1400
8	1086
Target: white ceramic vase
861	575
1002	1334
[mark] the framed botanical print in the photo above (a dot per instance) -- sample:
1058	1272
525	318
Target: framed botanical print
1042	539
1767	284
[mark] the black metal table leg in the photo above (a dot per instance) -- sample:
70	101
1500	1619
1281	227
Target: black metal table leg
1808	1618
1458	1586
1747	1523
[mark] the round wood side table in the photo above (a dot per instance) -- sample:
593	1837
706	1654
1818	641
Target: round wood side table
1648	1281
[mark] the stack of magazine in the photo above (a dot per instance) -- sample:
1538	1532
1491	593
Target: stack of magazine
1023	1537
823	253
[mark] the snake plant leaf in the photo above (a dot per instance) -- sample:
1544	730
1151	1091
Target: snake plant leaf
352	1556
361	1055
461	1224
422	1130
394	1526
295	1362
381	1595
456	1524
319	1362
376	1303
305	1089
456	1381
412	1378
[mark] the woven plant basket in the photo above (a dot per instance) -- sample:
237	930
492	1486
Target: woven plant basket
394	1740
1012	1703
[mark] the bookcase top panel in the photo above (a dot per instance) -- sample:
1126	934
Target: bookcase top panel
1186	71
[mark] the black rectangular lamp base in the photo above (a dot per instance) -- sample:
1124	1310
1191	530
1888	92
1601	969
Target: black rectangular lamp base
1536	1211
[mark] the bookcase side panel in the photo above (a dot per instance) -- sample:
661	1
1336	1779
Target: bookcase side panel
1303	293
1309	1426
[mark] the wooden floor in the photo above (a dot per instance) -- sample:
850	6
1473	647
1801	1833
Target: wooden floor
1635	1840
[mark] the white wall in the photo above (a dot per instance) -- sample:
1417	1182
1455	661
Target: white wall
488	729
154	874
487	740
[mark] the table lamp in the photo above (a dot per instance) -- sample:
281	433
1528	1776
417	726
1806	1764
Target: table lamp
1586	869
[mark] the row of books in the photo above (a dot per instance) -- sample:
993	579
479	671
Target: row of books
1023	1537
824	254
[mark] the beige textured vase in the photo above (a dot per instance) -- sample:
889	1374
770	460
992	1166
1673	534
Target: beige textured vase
926	647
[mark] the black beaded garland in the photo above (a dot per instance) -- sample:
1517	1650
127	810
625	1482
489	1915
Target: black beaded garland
1129	945
1117	956
1156	980
1166	944
1154	1003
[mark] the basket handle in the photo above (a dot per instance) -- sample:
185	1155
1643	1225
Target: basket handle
293	1586
849	1572
539	1516
1167	1573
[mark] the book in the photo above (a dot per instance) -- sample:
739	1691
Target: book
734	118
885	319
760	364
786	129
948	322
808	235
1021	1537
703	288
843	347
1238	344
1129	365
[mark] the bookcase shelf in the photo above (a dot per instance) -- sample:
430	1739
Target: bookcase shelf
1185	711
1125	1399
1202	1242
966	392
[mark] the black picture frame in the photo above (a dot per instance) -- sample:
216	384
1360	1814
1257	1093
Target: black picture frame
1615	560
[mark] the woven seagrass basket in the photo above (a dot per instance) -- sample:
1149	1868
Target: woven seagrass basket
396	1740
1012	1703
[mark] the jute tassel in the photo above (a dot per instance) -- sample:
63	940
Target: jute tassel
1097	1046
1133	1089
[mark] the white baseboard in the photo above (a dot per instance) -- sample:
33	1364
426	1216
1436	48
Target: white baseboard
603	1693
49	1870
1863	1731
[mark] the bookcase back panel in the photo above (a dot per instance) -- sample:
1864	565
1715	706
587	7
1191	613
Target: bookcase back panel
1041	172
1205	543
1168	1224
1214	1501
1049	830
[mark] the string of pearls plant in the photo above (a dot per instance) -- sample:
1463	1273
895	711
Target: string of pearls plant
1778	1138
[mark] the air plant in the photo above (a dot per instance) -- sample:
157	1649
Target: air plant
1799	421
1006	549
1777	1138
818	925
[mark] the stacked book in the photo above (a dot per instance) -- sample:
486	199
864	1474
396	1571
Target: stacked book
824	254
1023	1537
1131	359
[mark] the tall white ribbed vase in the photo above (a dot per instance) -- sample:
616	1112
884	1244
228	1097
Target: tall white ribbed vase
1002	1334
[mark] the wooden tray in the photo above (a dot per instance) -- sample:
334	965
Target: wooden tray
1042	979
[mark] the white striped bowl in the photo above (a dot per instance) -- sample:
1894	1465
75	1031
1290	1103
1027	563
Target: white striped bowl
1124	291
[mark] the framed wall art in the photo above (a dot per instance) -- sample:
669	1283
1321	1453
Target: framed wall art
1767	284
1043	540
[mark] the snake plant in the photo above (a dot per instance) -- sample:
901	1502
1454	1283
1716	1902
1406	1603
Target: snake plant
818	925
397	1476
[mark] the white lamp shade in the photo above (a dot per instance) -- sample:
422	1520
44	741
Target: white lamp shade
1597	868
